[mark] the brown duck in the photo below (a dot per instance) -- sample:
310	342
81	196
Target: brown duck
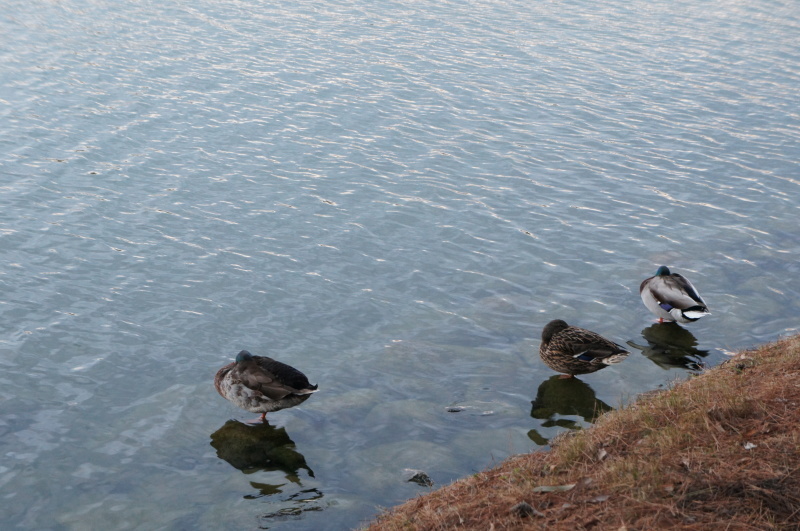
571	350
260	384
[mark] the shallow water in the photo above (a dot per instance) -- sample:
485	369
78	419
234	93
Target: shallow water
392	197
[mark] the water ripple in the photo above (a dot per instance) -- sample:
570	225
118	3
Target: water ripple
393	196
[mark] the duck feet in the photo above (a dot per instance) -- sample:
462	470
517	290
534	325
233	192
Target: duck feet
261	419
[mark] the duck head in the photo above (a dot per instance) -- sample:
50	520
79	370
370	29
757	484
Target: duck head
243	356
552	328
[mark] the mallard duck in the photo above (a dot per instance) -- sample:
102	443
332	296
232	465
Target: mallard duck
572	350
672	297
260	384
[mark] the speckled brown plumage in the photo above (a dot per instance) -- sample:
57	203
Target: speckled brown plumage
571	350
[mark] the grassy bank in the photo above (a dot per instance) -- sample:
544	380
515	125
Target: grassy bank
719	451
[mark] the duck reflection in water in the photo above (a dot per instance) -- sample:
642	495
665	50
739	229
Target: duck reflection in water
671	346
564	397
260	447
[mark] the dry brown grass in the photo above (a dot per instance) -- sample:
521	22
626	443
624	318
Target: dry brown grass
680	459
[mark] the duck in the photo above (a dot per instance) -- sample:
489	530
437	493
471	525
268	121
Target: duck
261	385
571	350
671	297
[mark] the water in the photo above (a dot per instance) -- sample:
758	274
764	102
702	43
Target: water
392	197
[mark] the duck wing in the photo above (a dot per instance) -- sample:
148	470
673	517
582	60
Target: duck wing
272	378
683	284
589	346
676	291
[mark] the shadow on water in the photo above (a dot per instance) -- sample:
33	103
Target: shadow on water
671	346
559	398
254	448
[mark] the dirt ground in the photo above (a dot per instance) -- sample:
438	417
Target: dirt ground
719	451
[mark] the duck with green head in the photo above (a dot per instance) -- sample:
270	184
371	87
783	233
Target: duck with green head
260	384
671	297
572	350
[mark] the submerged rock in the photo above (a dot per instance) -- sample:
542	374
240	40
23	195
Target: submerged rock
418	476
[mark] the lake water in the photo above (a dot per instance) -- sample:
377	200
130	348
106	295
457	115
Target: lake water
393	197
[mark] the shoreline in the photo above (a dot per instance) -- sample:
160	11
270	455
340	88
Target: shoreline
719	449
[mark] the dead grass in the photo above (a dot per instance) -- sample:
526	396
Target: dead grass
720	451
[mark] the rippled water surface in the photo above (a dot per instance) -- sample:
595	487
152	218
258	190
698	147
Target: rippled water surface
393	197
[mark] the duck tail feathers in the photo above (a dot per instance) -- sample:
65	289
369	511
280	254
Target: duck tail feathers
694	315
